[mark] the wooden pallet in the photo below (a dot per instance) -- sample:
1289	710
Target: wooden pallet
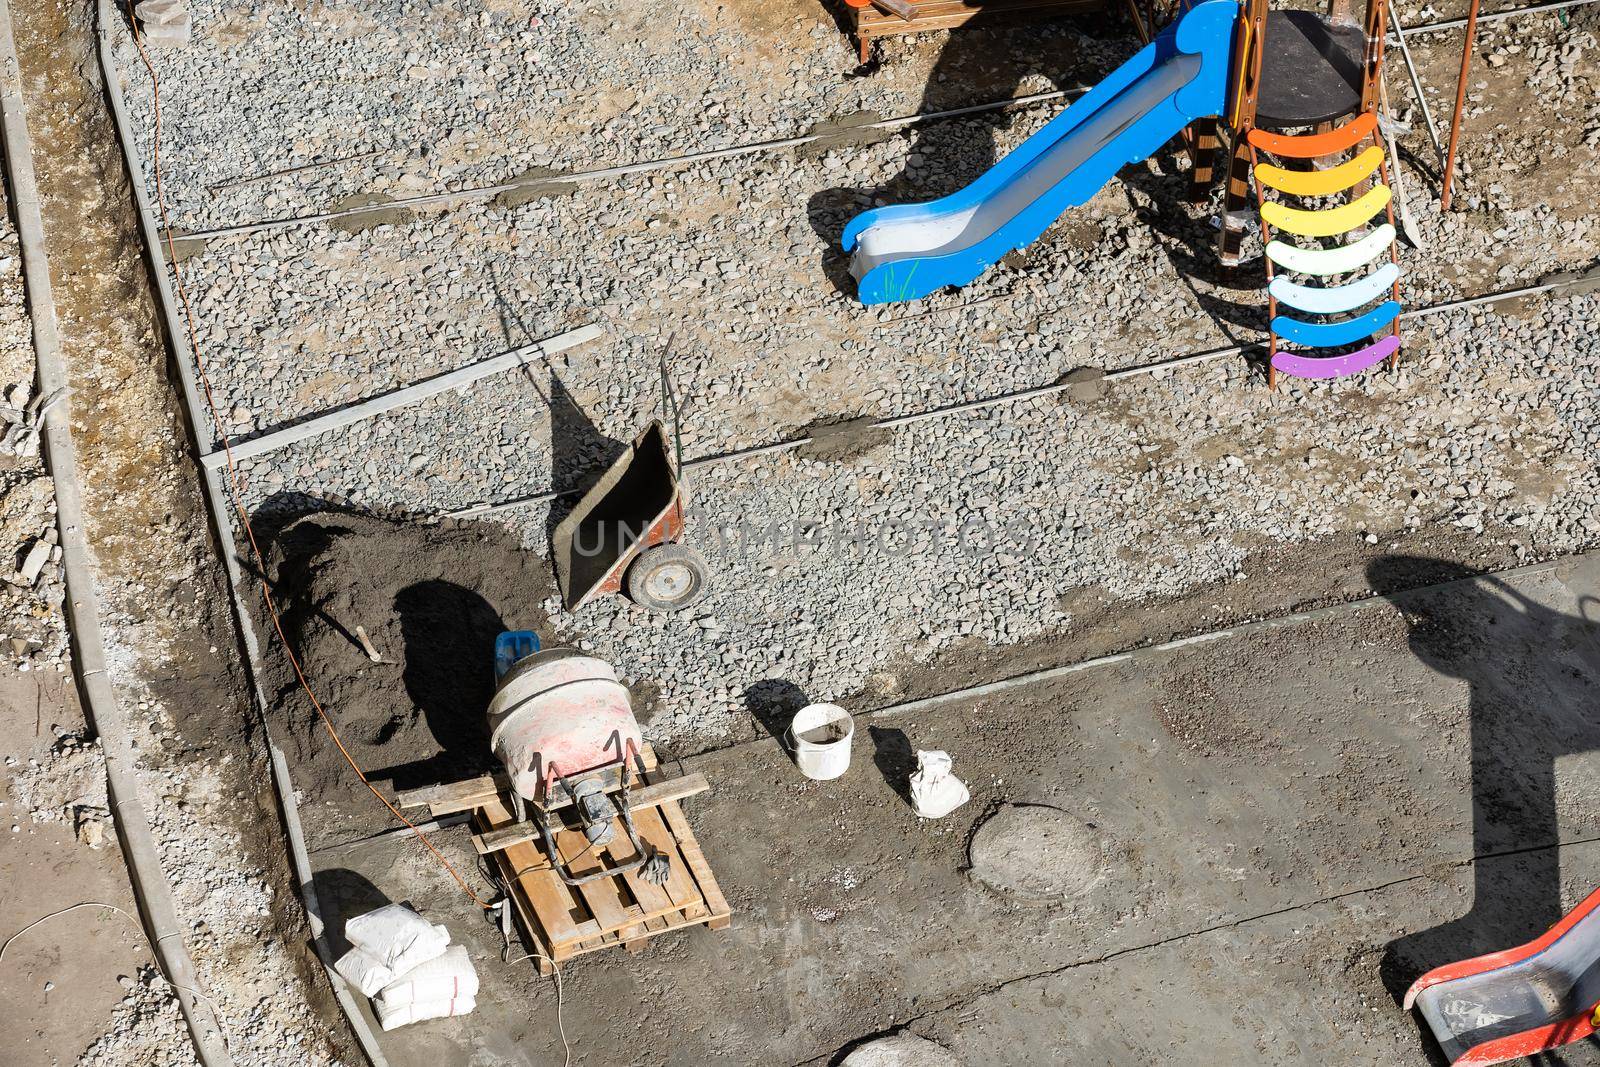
562	921
870	23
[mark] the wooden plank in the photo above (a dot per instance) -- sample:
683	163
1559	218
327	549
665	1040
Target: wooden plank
689	847
602	896
675	789
532	935
528	868
653	899
453	796
660	790
680	884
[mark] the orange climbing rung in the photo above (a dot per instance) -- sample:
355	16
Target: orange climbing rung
1312	145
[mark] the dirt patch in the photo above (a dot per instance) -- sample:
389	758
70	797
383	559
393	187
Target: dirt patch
432	599
842	440
854	130
536	183
379	215
1209	724
1084	384
1036	853
763	19
57	847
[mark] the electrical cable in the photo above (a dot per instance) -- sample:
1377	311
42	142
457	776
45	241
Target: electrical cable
235	491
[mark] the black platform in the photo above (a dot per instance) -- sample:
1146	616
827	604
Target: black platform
1310	70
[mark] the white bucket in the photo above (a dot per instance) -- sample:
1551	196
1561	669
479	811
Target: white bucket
820	737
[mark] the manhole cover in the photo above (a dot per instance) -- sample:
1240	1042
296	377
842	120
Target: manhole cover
1036	852
901	1050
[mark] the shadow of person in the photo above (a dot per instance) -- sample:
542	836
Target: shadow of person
985	60
1531	672
449	633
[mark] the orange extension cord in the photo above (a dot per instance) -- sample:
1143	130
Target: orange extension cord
234	490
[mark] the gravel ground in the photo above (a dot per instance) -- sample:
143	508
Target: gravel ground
201	765
500	89
1176	478
838	571
32	635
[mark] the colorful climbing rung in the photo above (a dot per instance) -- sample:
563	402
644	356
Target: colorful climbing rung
1310	146
1322	182
1335	334
1335	299
1341	259
1301	366
1328	221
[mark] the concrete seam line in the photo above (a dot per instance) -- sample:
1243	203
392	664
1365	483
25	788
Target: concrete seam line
1177	644
1036	392
395	399
624	169
145	874
222	529
755	147
966	1000
1497	16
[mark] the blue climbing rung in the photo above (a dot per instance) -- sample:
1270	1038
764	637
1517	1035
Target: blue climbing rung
512	647
1334	334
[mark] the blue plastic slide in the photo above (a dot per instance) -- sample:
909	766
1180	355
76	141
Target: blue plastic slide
906	251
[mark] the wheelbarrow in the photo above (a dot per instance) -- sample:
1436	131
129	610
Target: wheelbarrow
625	533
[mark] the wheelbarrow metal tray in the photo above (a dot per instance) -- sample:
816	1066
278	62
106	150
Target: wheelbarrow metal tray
637	503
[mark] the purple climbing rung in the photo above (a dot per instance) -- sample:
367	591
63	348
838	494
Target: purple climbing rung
1303	366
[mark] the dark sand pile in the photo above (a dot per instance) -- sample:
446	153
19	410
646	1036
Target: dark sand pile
432	600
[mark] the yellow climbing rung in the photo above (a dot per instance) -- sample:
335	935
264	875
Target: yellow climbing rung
1330	221
1321	182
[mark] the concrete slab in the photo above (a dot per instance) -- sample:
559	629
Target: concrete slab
1295	824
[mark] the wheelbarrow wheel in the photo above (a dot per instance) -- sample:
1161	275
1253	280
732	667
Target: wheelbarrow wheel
667	577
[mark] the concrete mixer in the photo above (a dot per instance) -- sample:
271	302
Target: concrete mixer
562	725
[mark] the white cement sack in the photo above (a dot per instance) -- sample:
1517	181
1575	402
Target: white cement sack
935	792
445	977
397	937
406	1014
364	972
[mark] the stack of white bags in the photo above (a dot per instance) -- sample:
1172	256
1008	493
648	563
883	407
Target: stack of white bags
408	967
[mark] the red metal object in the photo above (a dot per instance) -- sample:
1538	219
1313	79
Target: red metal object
635	505
1575	1027
559	713
1461	100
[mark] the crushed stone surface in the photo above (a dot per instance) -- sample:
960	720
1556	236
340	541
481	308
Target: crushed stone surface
841	567
32	632
146	1030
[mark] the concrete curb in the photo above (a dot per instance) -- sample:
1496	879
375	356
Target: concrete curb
222	528
150	885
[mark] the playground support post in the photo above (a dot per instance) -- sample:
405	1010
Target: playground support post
1241	117
1461	100
1203	143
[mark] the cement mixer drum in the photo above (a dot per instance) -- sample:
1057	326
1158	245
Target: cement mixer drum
559	713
